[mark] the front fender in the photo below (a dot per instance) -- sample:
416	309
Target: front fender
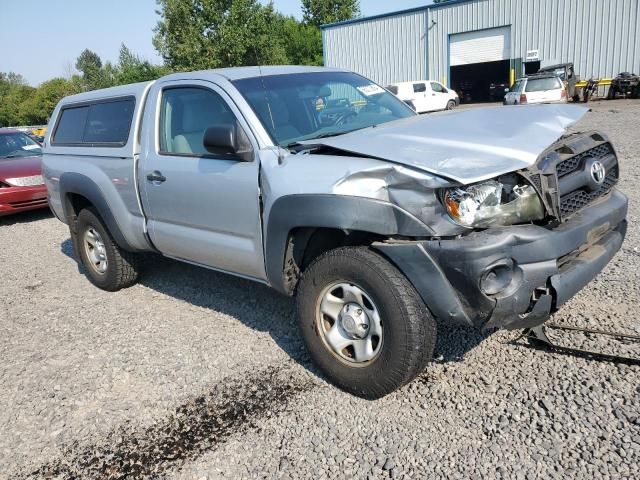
330	211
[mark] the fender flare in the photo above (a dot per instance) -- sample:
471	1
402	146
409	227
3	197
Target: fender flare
330	211
76	183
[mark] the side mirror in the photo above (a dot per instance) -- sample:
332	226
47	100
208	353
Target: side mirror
228	140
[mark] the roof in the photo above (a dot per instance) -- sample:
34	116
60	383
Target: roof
239	73
132	89
398	12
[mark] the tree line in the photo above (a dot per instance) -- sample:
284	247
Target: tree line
190	35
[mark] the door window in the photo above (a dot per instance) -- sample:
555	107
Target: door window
436	87
185	114
419	87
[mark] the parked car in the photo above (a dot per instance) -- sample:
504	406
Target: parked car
378	224
425	95
21	185
543	88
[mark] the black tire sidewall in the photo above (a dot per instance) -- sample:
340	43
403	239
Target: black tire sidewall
392	367
109	280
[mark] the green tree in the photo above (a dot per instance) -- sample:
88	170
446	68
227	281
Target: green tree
13	92
321	12
37	108
200	34
303	43
132	69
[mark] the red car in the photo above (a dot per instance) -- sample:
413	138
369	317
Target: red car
21	184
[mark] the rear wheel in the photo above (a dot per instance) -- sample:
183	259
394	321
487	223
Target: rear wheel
363	323
107	266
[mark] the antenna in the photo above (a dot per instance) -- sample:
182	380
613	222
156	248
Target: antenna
264	88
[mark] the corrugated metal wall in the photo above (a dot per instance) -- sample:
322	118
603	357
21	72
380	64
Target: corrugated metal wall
386	50
601	37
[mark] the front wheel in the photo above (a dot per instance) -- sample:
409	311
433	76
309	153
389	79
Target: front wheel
451	105
363	323
107	266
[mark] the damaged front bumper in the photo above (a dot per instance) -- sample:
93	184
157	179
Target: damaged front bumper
512	277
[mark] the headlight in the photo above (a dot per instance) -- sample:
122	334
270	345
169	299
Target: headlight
494	203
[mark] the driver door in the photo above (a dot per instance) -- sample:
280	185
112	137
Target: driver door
200	207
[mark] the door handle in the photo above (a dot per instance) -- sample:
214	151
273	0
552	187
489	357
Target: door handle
156	176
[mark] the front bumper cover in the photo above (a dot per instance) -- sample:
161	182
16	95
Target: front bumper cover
545	267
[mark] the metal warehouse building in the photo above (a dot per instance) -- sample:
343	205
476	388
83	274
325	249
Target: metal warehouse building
469	44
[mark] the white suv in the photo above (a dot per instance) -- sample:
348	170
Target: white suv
425	95
536	89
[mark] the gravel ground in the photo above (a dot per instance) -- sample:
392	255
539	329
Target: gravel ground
193	374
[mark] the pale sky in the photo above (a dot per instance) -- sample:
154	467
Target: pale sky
41	39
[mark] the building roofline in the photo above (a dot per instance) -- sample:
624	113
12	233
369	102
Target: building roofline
393	14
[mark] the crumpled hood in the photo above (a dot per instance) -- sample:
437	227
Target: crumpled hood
464	145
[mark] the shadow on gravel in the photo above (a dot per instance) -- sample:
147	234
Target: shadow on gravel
262	308
26	217
191	430
255	305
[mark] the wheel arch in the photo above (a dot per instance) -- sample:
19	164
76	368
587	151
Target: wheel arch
301	227
79	191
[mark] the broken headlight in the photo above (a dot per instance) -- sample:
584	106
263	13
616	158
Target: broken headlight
505	201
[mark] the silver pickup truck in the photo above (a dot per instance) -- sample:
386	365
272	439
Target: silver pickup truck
323	185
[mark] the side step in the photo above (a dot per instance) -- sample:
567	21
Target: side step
537	337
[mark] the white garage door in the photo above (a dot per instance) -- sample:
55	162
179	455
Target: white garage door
482	46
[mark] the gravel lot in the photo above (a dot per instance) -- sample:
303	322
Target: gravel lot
193	374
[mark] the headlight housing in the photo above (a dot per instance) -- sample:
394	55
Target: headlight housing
505	201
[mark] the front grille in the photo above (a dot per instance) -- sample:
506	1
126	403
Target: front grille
574	201
576	162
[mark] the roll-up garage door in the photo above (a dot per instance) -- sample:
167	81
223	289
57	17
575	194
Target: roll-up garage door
478	47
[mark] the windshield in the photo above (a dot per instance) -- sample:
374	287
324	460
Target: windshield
305	106
18	145
542	84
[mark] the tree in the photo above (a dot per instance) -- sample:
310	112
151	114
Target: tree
37	108
321	12
303	43
88	63
132	69
201	34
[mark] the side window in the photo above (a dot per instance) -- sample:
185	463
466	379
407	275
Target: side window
419	87
104	123
185	114
71	125
109	122
436	87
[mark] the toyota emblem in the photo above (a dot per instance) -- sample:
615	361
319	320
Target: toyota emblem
597	172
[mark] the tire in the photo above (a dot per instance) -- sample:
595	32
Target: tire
611	94
451	105
407	328
120	269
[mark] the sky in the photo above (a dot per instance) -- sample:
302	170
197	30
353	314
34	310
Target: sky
40	39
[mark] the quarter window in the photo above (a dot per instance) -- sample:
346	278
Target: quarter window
186	112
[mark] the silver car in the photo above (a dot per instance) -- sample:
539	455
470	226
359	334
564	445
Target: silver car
323	185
